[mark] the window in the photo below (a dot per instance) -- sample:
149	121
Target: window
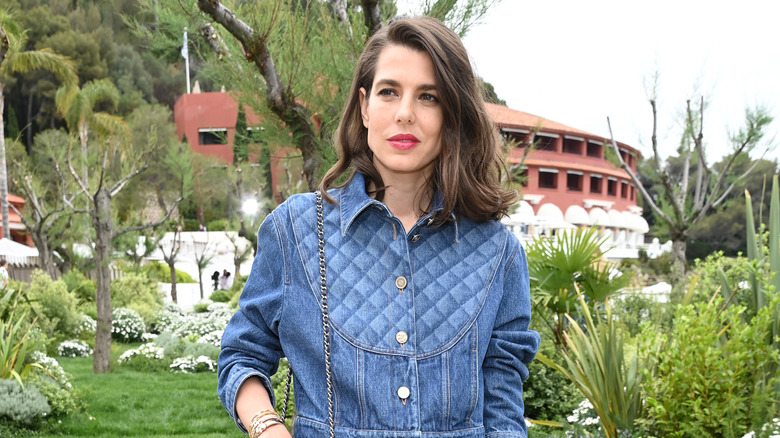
545	142
624	189
594	149
595	183
517	137
548	178
611	186
574	180
572	145
212	136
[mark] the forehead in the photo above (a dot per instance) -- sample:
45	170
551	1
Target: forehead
396	62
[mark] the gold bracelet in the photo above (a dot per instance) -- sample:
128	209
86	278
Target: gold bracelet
262	420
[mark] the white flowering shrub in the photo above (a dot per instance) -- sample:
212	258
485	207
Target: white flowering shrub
167	321
127	325
147	357
74	348
190	364
147	337
583	417
214	338
769	430
87	325
53	367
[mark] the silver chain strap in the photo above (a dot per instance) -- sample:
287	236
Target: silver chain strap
325	322
325	315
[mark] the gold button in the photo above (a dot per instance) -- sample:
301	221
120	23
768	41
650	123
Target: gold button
404	393
400	282
401	337
415	238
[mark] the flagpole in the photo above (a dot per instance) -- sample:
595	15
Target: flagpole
185	55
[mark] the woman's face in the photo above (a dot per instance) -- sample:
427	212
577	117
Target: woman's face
403	114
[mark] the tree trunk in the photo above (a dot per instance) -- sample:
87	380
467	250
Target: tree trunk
3	172
200	280
173	280
102	222
45	255
678	257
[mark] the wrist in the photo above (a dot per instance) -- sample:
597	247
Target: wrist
262	420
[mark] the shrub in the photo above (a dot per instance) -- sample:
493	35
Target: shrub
548	394
202	306
147	357
79	285
88	325
54	384
24	405
160	272
54	305
74	348
217	225
190	364
711	377
220	296
137	292
127	325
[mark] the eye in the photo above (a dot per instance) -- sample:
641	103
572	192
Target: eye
386	92
429	97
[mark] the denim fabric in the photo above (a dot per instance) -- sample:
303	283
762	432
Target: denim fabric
465	311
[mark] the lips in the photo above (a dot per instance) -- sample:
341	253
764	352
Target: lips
403	141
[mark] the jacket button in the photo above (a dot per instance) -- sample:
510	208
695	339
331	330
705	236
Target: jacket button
430	222
401	337
415	238
400	282
403	393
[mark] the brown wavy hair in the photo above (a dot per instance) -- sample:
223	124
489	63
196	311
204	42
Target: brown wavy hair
468	172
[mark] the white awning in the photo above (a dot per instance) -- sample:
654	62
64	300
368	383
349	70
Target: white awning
616	219
18	254
577	215
549	210
599	217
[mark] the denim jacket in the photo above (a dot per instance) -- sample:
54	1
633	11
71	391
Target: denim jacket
429	329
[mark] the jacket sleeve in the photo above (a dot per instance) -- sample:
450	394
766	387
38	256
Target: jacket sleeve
512	346
250	342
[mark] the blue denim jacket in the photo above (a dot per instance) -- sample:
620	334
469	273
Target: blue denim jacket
454	339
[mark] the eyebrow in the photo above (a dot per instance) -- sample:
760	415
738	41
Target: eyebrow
394	83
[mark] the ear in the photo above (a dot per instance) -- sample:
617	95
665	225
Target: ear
364	106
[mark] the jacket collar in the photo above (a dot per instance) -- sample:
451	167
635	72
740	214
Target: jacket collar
353	200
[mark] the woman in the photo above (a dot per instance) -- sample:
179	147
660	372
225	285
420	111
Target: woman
428	295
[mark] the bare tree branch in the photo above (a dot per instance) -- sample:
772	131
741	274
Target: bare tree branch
634	178
279	98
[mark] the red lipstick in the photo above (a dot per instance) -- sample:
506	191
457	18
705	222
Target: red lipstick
403	141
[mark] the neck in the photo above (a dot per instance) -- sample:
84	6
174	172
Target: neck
405	197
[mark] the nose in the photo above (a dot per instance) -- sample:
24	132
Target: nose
405	111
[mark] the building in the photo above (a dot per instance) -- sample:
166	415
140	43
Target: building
570	181
17	229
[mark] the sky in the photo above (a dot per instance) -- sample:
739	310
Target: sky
579	62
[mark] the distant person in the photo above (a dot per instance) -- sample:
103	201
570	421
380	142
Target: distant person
202	227
4	273
215	278
224	280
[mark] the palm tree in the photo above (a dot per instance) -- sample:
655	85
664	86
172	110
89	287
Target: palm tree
14	59
77	106
559	267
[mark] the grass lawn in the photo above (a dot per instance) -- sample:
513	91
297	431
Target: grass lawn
149	404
